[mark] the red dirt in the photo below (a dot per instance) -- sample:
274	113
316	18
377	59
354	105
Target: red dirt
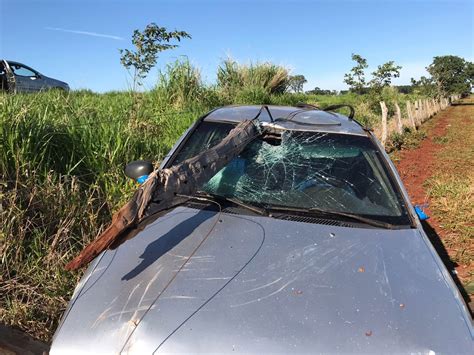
417	165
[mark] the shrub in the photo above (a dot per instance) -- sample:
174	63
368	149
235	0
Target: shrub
179	85
267	77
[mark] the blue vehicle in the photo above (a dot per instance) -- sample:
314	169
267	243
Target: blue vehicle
305	242
17	77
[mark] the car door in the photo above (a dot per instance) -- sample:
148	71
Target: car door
7	77
27	80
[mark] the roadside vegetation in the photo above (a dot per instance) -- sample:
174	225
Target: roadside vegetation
62	157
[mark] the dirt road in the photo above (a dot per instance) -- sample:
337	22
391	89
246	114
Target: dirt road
439	173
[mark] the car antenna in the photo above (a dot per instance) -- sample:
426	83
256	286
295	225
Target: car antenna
335	107
306	105
264	108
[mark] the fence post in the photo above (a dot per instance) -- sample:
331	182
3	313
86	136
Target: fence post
384	122
410	115
422	112
426	107
417	113
398	113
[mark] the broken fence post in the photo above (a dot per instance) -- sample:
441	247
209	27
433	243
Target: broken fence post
165	189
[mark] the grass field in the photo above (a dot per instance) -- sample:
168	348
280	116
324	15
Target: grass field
61	171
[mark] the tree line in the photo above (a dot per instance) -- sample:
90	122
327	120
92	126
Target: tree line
449	74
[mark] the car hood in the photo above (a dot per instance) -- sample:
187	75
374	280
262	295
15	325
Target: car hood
200	281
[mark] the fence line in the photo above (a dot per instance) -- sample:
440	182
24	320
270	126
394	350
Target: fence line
417	113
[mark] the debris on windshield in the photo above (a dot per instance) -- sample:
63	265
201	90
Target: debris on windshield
163	188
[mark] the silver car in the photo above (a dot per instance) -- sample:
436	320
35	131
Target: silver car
17	77
304	243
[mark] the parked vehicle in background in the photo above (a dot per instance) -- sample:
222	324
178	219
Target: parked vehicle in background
17	77
306	242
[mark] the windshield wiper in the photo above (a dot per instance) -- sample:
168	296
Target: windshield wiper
235	201
320	211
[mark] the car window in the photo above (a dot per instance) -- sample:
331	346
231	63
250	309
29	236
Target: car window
334	172
20	70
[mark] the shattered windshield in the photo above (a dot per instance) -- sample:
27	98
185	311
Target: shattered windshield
328	171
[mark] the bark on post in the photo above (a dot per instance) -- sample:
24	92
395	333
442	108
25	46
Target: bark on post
398	114
384	123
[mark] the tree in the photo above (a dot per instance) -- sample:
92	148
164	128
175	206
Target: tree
425	86
356	77
384	74
296	82
470	73
452	74
153	40
319	91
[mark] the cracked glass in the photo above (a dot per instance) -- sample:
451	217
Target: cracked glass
295	169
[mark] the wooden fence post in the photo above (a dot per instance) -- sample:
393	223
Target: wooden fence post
426	109
422	112
384	122
417	113
411	118
398	113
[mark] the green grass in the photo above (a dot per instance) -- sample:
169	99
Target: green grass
61	170
61	177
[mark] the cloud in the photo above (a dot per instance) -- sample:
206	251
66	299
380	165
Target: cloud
85	33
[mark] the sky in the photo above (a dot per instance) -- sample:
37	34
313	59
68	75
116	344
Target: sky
78	41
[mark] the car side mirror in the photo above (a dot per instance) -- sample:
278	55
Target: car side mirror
420	213
139	170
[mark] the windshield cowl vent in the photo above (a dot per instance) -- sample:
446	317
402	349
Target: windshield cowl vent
314	220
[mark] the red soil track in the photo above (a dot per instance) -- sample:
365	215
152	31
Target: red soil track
416	166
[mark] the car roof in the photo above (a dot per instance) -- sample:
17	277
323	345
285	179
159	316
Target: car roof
289	118
14	63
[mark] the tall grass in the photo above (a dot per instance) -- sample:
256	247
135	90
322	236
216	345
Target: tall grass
61	177
253	82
